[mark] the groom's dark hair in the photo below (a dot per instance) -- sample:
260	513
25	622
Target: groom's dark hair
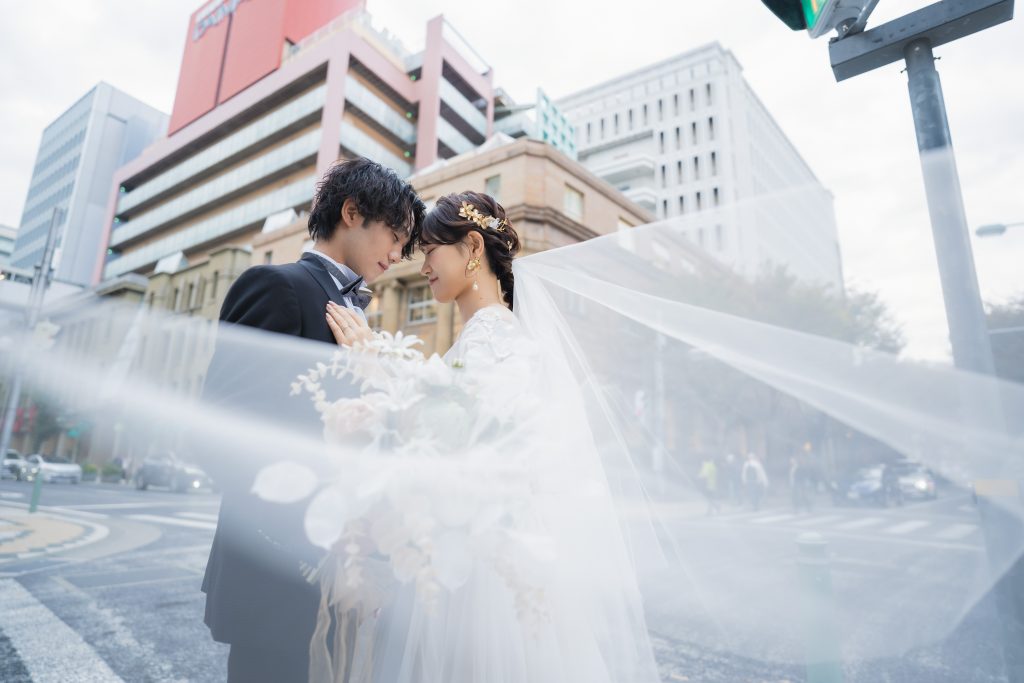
379	194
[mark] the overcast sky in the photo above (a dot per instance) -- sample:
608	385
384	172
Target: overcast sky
858	135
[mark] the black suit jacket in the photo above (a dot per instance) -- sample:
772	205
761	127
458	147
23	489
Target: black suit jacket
256	593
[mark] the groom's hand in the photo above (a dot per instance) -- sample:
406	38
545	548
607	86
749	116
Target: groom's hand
348	328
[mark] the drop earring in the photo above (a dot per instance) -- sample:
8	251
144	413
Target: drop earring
471	268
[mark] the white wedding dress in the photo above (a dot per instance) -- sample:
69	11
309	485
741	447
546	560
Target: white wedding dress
586	627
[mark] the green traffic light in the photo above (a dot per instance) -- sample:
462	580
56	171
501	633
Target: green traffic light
792	12
813	10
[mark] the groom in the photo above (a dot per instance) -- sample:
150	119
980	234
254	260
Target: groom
364	218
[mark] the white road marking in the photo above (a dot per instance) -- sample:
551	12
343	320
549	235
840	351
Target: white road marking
198	515
773	518
957	531
60	510
819	521
139	504
33	629
174	521
906	527
861	523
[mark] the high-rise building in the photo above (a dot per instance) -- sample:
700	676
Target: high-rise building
71	179
7	236
688	137
271	93
541	120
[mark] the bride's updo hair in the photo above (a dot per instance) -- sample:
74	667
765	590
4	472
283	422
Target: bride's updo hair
445	224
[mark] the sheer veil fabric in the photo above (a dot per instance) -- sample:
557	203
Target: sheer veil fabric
553	528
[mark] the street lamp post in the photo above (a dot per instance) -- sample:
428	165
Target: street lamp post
993	229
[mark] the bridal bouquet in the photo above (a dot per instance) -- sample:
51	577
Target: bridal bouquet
430	476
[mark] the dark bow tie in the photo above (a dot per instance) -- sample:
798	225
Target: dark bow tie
353	290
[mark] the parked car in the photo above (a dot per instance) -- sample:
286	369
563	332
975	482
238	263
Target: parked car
14	466
874	485
916	481
52	469
167	470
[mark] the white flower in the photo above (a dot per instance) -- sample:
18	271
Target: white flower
284	482
348	416
326	517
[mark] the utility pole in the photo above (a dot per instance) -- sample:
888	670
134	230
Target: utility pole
40	282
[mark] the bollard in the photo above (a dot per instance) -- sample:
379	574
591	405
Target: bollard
37	488
821	634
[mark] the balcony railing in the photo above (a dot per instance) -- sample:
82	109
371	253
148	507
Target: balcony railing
202	195
358	142
373	106
249	213
450	136
451	96
244	137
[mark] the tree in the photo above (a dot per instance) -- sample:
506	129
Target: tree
1006	330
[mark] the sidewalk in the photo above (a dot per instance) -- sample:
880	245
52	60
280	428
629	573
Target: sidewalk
24	535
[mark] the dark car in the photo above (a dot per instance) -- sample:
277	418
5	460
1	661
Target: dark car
168	471
874	485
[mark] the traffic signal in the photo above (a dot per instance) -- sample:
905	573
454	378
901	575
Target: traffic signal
819	17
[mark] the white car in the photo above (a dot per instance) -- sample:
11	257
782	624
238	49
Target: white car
53	469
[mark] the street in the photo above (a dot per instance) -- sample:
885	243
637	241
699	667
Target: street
127	606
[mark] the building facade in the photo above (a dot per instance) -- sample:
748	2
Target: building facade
7	237
341	89
71	179
688	139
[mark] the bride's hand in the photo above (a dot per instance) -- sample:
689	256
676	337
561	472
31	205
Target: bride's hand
348	327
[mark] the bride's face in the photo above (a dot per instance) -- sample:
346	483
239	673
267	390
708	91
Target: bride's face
444	266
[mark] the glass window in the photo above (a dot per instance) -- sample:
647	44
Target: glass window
422	307
492	186
573	203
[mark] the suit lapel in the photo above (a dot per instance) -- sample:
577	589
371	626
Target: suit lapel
319	273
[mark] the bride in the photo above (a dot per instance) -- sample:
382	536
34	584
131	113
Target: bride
581	618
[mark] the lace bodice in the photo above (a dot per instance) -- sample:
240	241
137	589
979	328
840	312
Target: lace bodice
492	335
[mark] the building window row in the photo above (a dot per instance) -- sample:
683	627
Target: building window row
676	112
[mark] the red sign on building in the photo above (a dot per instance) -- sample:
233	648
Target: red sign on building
231	44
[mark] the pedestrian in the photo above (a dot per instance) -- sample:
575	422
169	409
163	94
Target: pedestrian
755	481
709	484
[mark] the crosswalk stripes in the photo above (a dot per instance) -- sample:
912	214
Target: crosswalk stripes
33	629
175	521
937	529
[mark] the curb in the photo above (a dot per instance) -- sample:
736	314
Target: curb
92	533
